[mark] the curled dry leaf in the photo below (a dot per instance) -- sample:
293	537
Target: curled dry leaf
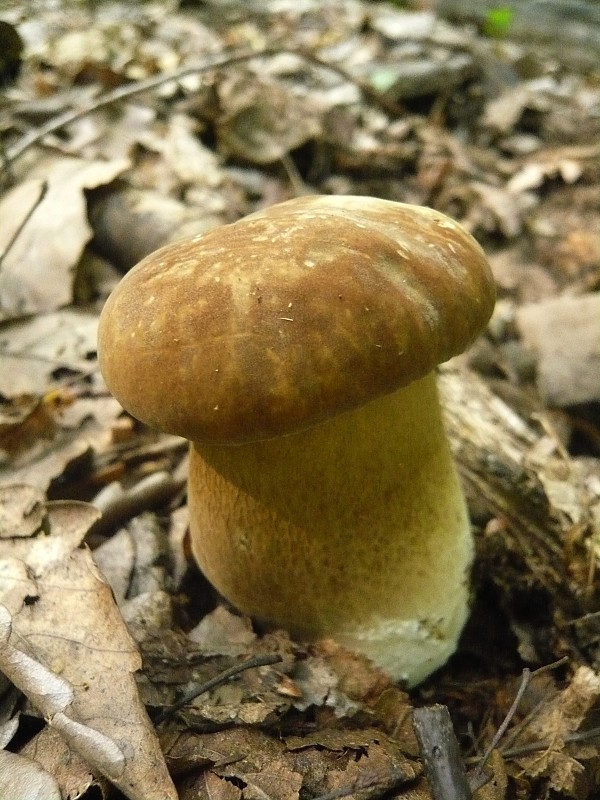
80	676
37	273
23	777
9	717
46	464
50	693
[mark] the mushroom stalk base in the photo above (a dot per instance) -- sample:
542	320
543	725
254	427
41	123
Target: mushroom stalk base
355	529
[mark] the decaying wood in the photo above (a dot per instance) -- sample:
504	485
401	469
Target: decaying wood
527	497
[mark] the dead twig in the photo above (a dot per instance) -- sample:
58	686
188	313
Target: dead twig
124	92
440	753
119	505
223	677
535	747
24	221
477	777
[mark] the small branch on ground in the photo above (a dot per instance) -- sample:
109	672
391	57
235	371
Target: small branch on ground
440	753
252	663
55	124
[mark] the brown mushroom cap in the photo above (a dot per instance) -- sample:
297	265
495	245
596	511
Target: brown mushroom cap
291	315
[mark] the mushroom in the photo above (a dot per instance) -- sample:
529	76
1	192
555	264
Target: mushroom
296	350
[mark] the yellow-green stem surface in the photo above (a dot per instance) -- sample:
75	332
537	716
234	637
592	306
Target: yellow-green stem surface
355	529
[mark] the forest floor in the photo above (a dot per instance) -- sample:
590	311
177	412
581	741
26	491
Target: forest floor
127	126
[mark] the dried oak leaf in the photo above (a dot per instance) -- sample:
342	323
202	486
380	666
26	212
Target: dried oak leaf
377	771
562	765
276	781
64	644
72	772
362	763
229	754
213	787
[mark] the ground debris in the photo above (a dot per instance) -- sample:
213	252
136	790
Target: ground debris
125	127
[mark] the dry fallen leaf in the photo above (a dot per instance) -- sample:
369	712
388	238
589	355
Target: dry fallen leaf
378	768
48	460
73	774
263	121
21	512
49	421
223	633
66	646
22	777
213	787
37	270
33	349
562	765
275	781
564	333
184	153
361	763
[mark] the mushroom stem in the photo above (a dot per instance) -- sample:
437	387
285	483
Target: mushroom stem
354	529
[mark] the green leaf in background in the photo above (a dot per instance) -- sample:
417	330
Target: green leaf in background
498	21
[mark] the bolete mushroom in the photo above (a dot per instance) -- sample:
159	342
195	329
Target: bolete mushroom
296	350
